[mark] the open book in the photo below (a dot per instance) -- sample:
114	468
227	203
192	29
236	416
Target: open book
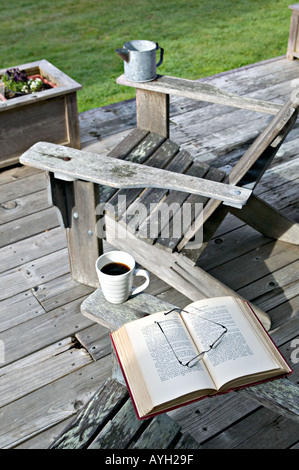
163	360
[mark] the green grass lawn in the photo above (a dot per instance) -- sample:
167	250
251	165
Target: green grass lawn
200	37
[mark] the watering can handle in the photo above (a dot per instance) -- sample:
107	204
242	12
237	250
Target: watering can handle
161	54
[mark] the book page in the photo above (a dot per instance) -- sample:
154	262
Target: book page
165	378
240	352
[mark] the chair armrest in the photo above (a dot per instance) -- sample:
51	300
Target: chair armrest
72	164
281	396
201	91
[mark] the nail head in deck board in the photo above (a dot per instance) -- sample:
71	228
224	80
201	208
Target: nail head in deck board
60	291
23	206
17	173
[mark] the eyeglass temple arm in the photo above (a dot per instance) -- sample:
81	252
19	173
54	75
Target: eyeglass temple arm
218	339
173	309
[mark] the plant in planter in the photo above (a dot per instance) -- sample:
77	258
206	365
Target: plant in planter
34	114
17	83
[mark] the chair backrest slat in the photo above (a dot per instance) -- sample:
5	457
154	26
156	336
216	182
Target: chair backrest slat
260	154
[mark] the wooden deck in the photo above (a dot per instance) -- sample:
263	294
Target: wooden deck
55	358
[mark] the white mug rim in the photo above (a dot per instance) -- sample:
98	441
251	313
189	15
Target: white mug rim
132	46
114	257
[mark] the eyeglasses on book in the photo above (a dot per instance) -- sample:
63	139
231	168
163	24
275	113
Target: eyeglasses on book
194	360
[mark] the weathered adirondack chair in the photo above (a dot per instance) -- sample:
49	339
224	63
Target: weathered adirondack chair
84	184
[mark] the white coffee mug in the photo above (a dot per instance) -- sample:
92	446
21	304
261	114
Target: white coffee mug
116	271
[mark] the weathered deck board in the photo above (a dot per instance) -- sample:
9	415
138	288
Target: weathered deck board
54	364
50	404
27	250
46	337
31	274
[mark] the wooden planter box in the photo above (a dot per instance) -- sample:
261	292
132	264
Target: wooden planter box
50	115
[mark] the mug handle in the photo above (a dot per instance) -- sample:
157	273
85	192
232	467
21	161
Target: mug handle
161	54
144	273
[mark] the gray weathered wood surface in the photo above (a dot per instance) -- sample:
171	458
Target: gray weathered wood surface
108	421
40	304
200	91
116	173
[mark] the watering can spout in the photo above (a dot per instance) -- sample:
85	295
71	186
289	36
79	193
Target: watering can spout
123	53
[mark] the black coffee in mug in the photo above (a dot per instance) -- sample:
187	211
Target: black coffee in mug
115	269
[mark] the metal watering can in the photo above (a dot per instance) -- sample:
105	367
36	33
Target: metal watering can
140	60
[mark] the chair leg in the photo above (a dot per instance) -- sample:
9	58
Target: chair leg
292	51
267	220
